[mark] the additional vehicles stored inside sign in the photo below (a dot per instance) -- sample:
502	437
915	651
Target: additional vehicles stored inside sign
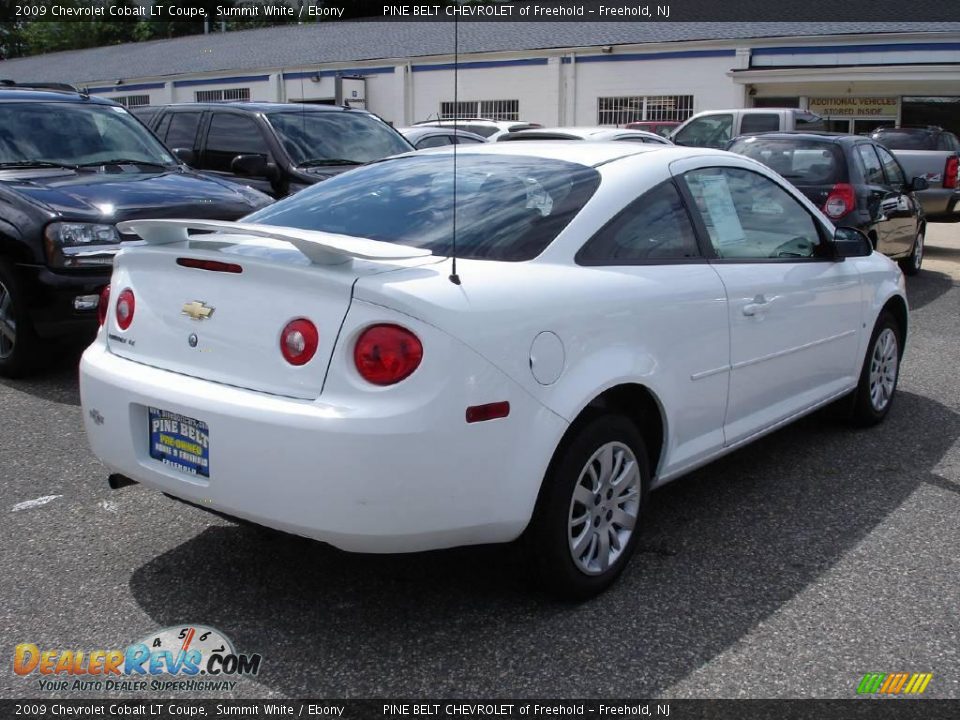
855	182
933	154
620	315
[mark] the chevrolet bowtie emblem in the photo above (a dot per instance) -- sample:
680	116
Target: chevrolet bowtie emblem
197	310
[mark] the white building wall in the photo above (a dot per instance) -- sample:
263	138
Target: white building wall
537	87
703	77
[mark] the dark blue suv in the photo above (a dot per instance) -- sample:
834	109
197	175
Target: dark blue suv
71	167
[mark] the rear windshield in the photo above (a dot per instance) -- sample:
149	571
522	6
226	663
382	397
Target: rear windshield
906	140
508	208
321	138
802	162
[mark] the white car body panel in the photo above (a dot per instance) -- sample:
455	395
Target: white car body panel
318	451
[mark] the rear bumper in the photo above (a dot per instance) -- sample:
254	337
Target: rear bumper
940	204
376	477
50	301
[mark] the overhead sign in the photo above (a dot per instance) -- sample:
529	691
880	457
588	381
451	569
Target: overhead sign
848	106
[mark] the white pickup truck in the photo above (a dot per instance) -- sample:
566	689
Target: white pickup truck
933	154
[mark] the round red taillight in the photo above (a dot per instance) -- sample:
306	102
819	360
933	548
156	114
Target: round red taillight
298	341
126	304
103	305
386	354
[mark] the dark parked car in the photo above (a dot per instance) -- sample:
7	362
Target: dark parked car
855	181
71	167
427	136
277	148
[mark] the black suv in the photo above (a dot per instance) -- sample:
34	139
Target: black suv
277	148
71	167
855	181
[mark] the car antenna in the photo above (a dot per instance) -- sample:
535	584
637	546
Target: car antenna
454	277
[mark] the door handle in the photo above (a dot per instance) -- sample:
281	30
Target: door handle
758	305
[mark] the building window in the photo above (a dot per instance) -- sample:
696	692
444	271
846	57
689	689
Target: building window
130	101
221	95
487	109
623	110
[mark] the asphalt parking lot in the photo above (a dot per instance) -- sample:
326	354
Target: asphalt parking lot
788	569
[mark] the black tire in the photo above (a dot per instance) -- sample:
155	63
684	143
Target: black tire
864	407
548	538
18	342
911	265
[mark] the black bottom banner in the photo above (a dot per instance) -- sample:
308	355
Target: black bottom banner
928	709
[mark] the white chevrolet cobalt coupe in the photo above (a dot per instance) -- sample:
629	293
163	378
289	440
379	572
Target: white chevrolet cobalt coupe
616	316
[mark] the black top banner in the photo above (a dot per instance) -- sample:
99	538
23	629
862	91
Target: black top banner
302	11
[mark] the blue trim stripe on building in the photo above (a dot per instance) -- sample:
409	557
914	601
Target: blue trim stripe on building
480	65
878	47
125	88
633	57
220	81
334	73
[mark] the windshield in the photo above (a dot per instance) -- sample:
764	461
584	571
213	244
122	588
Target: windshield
75	134
802	162
310	138
508	208
901	140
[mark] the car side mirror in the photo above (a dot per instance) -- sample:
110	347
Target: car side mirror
919	183
185	155
253	166
850	242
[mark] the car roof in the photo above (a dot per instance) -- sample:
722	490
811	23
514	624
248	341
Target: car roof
814	136
260	107
421	130
584	133
15	94
589	154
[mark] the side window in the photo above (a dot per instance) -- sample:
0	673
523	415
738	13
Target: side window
891	168
759	122
231	135
462	140
653	228
162	126
182	131
748	216
708	131
433	141
632	138
872	170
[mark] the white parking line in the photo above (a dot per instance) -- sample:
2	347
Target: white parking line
27	504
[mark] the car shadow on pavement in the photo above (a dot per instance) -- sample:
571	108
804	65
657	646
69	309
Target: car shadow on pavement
926	287
56	379
724	549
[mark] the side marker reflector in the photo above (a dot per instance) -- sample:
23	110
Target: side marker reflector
490	411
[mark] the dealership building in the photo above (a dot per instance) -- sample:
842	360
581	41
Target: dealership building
858	75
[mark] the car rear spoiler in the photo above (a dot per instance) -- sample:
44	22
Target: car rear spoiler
322	248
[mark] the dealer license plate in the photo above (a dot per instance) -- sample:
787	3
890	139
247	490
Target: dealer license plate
179	441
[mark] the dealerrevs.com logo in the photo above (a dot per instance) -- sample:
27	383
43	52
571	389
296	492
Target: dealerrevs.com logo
894	683
191	657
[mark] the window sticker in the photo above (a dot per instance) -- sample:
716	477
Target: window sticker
720	213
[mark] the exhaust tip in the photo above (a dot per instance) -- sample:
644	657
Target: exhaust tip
117	481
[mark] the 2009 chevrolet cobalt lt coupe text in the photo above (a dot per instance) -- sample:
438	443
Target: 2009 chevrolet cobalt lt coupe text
618	316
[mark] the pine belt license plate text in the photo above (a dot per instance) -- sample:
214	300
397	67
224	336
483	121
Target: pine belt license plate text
181	442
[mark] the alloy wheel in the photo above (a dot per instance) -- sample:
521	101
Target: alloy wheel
884	360
604	508
918	252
